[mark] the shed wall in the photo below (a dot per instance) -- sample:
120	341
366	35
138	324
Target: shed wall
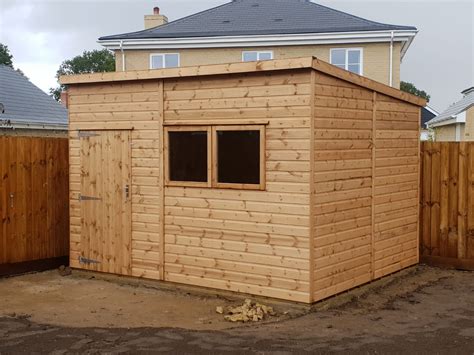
243	240
366	166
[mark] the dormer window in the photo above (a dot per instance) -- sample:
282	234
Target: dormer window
348	58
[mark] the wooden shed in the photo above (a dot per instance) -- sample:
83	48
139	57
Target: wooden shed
291	179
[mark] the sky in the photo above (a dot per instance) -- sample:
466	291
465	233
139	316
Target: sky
43	33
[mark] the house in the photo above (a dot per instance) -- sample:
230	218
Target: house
288	178
250	30
26	110
427	114
456	123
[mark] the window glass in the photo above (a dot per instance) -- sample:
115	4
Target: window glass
188	156
265	56
354	68
171	60
250	56
157	62
353	57
238	157
338	57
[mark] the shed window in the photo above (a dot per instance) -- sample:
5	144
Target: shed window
253	56
347	58
165	60
215	156
188	156
238	157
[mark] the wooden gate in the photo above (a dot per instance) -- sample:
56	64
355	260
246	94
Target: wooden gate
34	203
105	201
447	204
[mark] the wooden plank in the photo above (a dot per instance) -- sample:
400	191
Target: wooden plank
435	198
426	202
161	183
374	156
444	199
462	199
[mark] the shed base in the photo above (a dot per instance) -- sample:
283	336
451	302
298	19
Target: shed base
32	266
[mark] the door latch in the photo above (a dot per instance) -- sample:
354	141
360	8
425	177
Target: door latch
127	191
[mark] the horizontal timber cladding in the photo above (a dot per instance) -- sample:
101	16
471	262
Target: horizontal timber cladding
365	176
247	241
337	205
123	106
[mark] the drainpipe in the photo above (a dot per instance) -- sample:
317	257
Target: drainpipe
123	55
391	60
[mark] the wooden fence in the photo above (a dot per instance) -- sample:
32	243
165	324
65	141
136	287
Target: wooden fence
447	204
34	206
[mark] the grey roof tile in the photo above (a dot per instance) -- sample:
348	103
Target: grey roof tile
261	17
455	109
25	103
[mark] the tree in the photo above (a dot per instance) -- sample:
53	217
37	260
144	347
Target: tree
411	89
89	62
5	57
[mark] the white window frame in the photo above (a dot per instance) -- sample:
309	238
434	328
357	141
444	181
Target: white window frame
258	54
360	50
163	56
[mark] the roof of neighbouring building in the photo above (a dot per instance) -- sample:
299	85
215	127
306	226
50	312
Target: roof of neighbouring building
456	108
261	17
27	106
427	114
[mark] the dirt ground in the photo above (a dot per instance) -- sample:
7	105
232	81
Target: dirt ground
420	310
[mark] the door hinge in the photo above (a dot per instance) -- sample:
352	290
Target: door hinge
89	198
86	134
83	260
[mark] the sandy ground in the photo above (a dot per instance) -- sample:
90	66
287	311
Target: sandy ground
95	300
421	310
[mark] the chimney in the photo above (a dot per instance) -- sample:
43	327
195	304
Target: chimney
156	19
64	99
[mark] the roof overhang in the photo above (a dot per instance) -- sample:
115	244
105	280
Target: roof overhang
243	67
404	36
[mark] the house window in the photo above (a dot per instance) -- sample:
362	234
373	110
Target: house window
348	58
215	156
166	60
253	56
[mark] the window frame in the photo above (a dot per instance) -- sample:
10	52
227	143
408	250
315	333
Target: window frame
346	64
168	181
163	55
258	55
215	167
212	156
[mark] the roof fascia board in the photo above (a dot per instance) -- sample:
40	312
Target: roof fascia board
38	126
405	36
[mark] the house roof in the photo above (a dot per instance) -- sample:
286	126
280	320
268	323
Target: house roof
455	109
427	114
244	67
261	17
27	106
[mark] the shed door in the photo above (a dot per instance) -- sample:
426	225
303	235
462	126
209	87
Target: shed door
105	201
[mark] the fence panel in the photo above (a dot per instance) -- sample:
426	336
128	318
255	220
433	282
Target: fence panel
447	203
34	201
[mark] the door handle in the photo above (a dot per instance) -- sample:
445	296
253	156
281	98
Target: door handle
12	196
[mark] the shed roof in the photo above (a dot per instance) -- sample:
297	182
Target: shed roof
462	105
244	67
27	106
261	17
